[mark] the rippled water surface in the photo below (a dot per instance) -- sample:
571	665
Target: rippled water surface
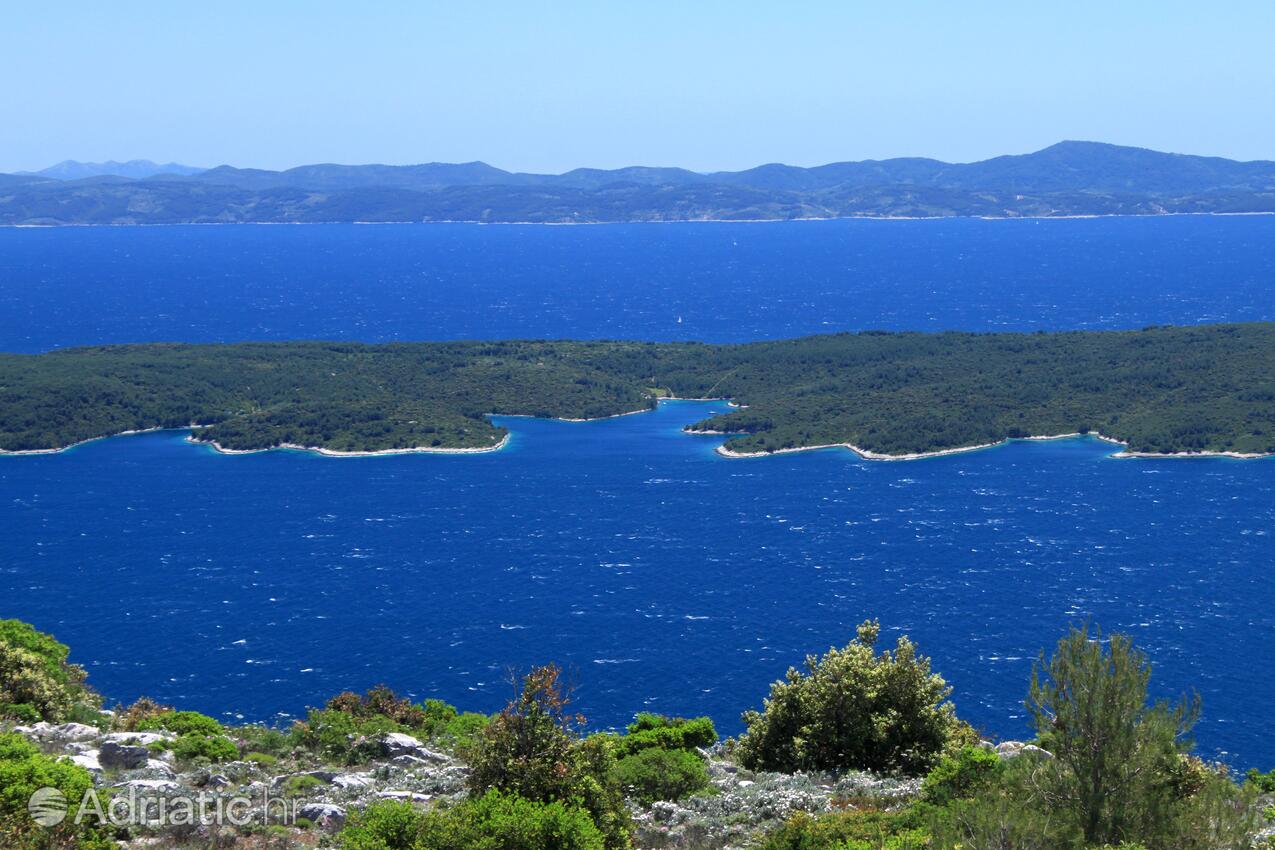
672	579
709	281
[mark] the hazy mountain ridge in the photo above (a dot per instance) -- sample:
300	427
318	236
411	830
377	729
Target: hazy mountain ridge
134	169
1069	178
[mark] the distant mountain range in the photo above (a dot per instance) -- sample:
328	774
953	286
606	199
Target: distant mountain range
1069	178
135	168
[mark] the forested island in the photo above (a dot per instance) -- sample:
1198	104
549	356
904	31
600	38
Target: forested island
1160	390
1066	179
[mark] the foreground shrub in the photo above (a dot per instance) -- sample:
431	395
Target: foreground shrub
1263	783
144	711
960	775
656	774
381	702
36	681
24	770
667	733
1089	704
340	737
347	729
850	830
262	740
179	723
532	750
493	821
853	708
1011	811
1121	773
211	748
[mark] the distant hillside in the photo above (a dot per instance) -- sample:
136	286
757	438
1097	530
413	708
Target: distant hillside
135	169
1069	178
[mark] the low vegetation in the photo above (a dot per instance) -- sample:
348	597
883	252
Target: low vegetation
36	681
493	821
348	729
1209	388
533	750
23	771
1109	768
662	758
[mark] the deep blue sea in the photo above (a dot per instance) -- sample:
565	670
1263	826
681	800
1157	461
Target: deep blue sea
669	578
712	282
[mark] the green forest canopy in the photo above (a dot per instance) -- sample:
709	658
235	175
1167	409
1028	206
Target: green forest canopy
1162	389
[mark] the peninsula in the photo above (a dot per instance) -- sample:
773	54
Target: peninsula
1160	390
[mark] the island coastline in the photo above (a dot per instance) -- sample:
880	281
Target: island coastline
867	454
335	453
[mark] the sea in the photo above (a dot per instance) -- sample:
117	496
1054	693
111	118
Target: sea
662	576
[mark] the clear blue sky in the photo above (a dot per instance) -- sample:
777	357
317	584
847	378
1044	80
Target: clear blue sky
550	86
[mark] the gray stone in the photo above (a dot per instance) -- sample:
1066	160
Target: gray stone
74	732
1014	749
398	744
323	815
88	761
114	754
149	785
411	796
408	761
144	739
352	780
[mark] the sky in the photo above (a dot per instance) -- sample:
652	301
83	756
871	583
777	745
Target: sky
549	86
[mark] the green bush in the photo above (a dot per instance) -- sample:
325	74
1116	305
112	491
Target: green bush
263	759
23	770
1264	783
959	776
340	737
667	733
214	748
180	723
655	774
493	821
383	702
460	732
347	729
35	677
20	712
142	712
262	740
849	830
532	750
383	826
1117	754
853	708
1121	773
1010	811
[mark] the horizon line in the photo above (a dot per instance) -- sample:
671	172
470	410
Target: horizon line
779	163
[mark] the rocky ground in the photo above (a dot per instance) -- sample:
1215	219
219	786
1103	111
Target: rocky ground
299	803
